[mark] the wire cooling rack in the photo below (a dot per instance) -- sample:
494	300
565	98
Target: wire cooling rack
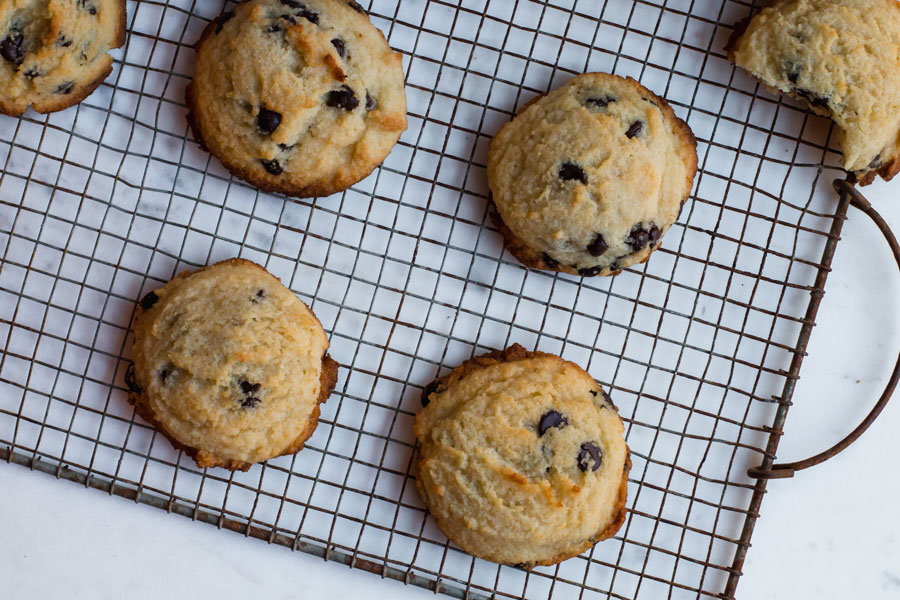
700	347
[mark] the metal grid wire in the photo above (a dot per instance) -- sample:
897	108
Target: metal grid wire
103	202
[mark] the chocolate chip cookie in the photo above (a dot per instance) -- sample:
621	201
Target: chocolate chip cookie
588	178
53	53
842	59
229	365
521	458
303	98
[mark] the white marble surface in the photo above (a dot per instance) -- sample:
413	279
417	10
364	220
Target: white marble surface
831	532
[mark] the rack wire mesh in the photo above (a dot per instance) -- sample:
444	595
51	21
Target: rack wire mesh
700	346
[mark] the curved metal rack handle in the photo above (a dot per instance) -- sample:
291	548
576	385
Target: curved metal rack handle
786	470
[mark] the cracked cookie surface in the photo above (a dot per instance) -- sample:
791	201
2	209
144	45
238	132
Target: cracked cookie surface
840	57
54	53
229	365
588	178
521	458
302	98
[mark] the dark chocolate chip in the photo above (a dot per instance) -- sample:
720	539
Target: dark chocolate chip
606	397
590	456
272	166
149	300
260	293
223	18
590	271
370	102
274	28
302	11
12	49
640	237
250	402
356	7
634	130
601	101
598	246
435	387
88	7
650	100
342	98
267	121
569	171
792	70
64	41
654	233
293	4
340	47
811	97
31	73
551	262
876	162
290	19
551	419
249	388
163	374
65	88
285	147
131	379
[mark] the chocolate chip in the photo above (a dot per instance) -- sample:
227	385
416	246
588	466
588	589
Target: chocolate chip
791	70
876	162
250	402
163	374
223	18
634	130
356	7
551	262
260	293
293	4
590	271
274	28
640	236
601	101
435	387
272	166
131	379
63	41
370	102
149	300
285	147
31	73
89	7
651	101
590	456
342	98
301	11
290	19
339	46
569	171
249	388
551	419
65	88
267	121
811	97
606	397
11	48
598	246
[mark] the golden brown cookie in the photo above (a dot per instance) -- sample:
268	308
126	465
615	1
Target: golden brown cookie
521	458
841	58
54	53
229	365
303	98
587	179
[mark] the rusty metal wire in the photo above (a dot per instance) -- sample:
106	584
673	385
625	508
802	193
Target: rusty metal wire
105	201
